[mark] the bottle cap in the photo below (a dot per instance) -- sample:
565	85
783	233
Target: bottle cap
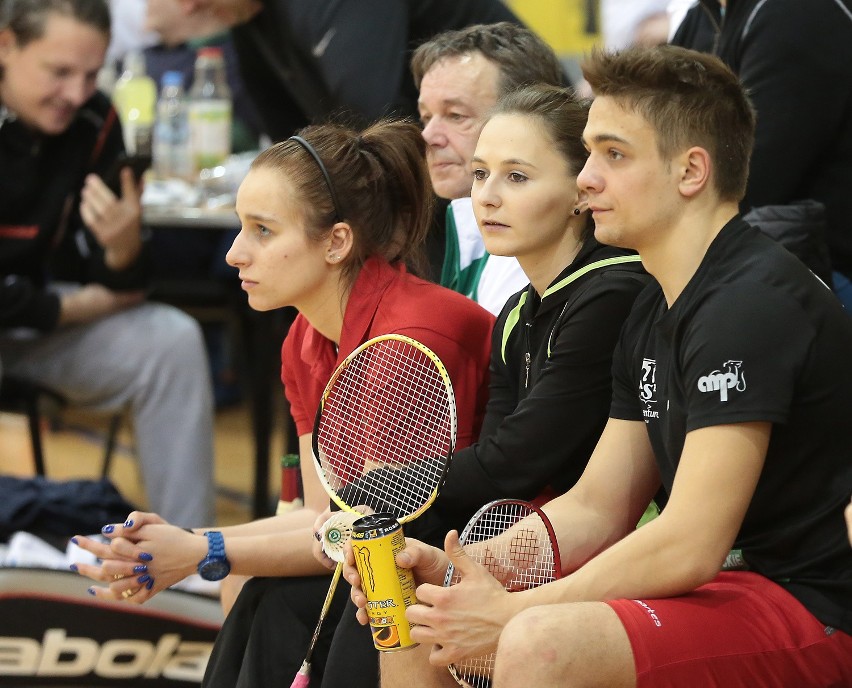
210	51
289	460
172	78
134	62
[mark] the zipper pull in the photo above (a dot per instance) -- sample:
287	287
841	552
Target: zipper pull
527	378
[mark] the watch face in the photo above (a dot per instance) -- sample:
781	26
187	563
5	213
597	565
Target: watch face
214	570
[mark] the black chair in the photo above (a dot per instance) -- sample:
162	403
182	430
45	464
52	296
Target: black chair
19	395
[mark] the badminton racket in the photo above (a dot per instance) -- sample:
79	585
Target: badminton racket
384	435
514	540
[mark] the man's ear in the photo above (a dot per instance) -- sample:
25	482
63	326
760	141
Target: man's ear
340	242
695	167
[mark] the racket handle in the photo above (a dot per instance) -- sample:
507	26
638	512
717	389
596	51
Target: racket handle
303	677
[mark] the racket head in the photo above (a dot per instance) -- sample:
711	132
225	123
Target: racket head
385	429
522	559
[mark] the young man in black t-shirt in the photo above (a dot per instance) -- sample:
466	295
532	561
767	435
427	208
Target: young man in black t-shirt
731	392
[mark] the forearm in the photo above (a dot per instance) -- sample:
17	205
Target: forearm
271	553
274	546
608	500
686	545
94	301
653	561
297	519
280	554
582	531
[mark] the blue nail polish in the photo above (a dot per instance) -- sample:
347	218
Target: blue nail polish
128	523
74	540
145	557
91	591
73	567
141	568
107	529
149	584
143	579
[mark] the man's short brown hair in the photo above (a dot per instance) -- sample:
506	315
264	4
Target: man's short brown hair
690	98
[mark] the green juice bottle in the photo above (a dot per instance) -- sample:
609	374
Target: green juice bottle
135	100
210	110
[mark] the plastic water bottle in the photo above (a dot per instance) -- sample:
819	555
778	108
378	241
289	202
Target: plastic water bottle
135	97
210	110
172	153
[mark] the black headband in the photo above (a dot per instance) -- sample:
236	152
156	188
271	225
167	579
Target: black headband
338	216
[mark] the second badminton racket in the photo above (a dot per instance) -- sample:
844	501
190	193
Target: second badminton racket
515	541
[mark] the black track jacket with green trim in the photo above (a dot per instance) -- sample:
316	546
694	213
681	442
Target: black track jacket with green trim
550	386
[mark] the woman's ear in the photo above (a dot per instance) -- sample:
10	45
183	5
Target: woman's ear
7	42
582	202
340	243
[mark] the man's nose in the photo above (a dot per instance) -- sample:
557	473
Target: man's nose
77	90
434	134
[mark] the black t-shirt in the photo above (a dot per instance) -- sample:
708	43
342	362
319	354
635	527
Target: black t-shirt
755	336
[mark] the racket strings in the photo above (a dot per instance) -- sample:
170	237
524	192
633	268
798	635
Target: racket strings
387	428
512	541
518	554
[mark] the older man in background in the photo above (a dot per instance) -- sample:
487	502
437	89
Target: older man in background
460	75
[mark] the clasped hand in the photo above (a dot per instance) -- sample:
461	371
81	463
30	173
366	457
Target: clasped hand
144	555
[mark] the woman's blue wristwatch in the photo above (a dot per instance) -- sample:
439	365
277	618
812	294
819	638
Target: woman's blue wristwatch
215	566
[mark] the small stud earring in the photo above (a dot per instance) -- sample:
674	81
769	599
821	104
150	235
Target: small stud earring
576	211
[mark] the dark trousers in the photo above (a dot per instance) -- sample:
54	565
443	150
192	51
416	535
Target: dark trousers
266	635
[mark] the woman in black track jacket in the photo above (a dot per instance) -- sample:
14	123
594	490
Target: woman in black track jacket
553	341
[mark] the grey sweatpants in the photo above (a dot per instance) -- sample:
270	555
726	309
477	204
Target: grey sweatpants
150	359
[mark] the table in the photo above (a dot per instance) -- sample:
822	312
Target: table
263	333
189	217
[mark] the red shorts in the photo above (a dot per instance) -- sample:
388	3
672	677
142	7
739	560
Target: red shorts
739	631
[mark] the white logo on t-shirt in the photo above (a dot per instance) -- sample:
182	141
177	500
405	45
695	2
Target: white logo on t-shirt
723	380
648	388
